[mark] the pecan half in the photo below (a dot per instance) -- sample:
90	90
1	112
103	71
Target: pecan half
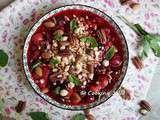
124	93
144	104
137	62
126	2
20	106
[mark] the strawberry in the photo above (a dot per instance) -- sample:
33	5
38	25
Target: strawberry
37	38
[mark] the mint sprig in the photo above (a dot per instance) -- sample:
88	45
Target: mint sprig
39	116
74	80
3	58
73	24
78	117
58	37
110	53
53	62
149	41
90	40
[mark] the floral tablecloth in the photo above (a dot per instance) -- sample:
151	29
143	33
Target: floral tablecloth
18	17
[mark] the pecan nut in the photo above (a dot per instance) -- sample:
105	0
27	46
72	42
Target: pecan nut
144	104
125	93
20	106
137	62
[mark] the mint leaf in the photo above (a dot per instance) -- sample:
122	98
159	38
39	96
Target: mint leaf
146	47
110	53
53	62
58	37
35	64
74	80
78	117
39	116
90	40
140	29
3	58
73	24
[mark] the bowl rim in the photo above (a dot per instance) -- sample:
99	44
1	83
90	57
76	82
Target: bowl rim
78	107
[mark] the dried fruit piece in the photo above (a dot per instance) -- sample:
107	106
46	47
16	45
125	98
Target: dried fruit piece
75	98
137	62
144	104
124	93
39	71
20	106
45	90
46	55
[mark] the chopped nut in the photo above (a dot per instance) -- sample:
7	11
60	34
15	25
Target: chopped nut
105	63
80	76
137	62
39	71
67	68
20	106
91	76
64	43
41	81
124	93
144	104
62	47
49	24
66	18
54	70
45	90
60	32
71	85
63	92
46	55
65	38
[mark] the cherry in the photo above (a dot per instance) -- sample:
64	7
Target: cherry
116	61
37	38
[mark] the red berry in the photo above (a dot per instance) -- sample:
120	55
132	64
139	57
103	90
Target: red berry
90	99
37	38
94	88
116	61
103	80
